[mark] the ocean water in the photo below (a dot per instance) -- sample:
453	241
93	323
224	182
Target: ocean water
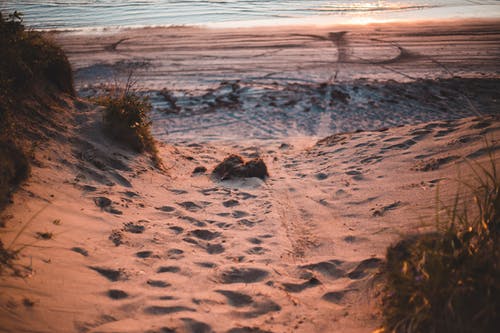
92	14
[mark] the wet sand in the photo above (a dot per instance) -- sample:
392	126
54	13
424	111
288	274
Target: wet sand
297	81
177	58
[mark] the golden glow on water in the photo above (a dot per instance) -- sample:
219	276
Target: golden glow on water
92	14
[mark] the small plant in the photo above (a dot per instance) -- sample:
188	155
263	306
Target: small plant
449	280
126	119
9	253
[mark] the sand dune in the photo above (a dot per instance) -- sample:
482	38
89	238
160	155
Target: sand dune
137	250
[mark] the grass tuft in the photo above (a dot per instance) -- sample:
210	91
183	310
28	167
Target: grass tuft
29	58
449	280
126	119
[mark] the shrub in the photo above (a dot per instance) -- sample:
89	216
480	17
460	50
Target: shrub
27	61
29	58
126	119
449	281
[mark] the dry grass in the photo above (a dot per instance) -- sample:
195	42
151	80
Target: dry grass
28	61
126	119
449	281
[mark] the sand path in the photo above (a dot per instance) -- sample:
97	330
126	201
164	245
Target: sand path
133	250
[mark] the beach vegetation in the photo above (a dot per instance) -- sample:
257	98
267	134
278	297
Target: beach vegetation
126	119
449	280
30	65
30	58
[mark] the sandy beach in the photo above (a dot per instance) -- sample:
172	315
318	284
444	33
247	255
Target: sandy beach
358	125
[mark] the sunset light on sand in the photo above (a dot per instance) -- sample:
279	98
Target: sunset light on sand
249	166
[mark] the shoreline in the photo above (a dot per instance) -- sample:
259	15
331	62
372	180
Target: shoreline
368	15
232	79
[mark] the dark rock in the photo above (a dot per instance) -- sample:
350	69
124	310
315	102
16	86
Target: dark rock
235	167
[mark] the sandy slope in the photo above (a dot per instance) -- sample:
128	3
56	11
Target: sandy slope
187	253
177	252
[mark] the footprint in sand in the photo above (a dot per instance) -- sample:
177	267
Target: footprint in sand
321	176
354	239
116	237
254	240
364	268
247	329
400	146
337	297
483	152
209	247
189	205
106	205
298	287
257	250
261	308
117	294
166	209
237	214
133	228
243	275
178	192
247	222
246	196
144	254
102	202
194	326
175	254
80	250
177	230
224	225
164	310
329	268
433	163
192	220
236	299
204	234
158	283
110	274
230	203
214	248
206	264
383	210
168	269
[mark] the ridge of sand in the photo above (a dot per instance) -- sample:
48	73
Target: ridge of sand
184	253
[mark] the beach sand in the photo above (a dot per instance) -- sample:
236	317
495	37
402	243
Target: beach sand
358	126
